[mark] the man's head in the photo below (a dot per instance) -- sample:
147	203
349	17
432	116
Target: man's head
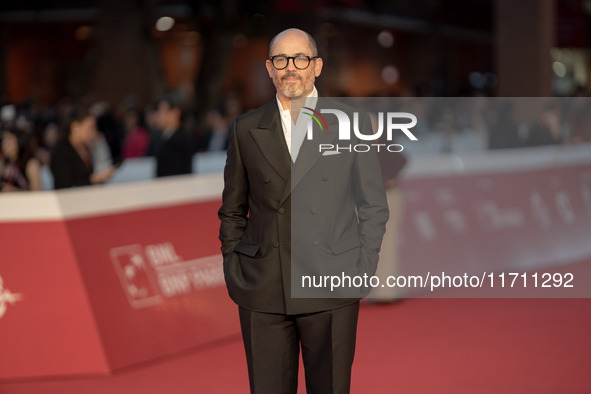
295	80
168	113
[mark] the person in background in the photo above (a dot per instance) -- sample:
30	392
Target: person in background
174	153
137	139
219	129
579	119
104	153
547	130
19	170
71	163
151	119
49	138
110	134
504	130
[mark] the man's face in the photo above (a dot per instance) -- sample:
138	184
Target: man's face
292	82
9	145
165	115
87	129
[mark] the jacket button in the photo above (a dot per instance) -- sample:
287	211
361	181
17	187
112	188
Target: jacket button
275	244
314	210
281	210
266	179
325	178
316	243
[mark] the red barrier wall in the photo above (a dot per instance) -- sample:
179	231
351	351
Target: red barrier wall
50	330
114	287
494	222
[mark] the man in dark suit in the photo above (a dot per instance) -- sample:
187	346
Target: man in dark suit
174	152
289	209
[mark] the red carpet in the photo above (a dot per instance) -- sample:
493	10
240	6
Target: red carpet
476	346
428	346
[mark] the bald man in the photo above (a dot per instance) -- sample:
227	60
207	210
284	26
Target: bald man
284	201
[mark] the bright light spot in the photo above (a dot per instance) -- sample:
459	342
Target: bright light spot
559	69
164	23
390	74
8	113
385	39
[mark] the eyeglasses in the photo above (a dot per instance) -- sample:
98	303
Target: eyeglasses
301	62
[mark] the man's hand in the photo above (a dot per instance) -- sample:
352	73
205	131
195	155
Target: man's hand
102	176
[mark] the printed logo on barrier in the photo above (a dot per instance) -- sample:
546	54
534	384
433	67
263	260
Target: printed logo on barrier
149	274
7	297
385	123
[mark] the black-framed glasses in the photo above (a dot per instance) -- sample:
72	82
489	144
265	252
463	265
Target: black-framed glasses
301	62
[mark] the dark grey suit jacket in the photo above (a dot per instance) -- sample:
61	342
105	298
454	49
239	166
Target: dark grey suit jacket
324	214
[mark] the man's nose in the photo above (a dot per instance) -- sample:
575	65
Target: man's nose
290	65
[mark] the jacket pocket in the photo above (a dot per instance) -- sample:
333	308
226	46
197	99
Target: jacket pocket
344	245
246	249
343	156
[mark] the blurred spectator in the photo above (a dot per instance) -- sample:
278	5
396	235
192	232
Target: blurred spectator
71	162
218	130
504	130
49	139
218	121
547	130
110	128
174	153
151	118
19	170
579	121
137	138
232	106
100	152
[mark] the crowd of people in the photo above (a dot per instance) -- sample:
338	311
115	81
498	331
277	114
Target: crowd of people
84	144
505	122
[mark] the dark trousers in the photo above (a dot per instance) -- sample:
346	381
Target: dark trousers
272	344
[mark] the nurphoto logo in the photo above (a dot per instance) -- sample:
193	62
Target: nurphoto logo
385	123
317	117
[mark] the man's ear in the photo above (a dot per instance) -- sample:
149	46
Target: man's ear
269	66
318	67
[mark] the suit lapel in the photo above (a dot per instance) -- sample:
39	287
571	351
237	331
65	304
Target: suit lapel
268	136
310	150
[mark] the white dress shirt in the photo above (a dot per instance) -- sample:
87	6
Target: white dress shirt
299	128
